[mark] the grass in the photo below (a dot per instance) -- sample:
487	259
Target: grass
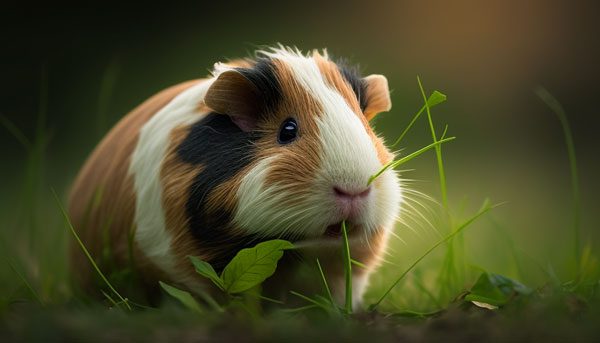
410	293
555	106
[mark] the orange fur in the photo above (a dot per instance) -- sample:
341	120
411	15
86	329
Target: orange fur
301	155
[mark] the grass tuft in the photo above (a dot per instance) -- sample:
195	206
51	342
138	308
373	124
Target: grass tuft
87	253
484	209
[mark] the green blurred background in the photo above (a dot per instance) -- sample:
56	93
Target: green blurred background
81	70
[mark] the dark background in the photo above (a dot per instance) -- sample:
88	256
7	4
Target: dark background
82	69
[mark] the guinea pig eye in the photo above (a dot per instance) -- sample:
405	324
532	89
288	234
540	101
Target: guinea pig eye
288	131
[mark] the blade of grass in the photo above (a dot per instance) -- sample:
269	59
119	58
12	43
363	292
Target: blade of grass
418	282
87	253
484	208
438	149
347	269
25	282
555	106
271	300
434	99
396	163
107	90
359	264
412	122
300	309
325	285
110	299
16	132
312	301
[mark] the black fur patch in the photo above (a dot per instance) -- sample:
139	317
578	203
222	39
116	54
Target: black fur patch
263	76
221	149
353	77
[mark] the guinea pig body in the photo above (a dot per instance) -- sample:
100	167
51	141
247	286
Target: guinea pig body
276	147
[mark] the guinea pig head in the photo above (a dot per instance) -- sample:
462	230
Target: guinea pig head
312	149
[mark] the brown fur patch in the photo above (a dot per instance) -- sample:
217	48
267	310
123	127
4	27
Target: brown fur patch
102	198
302	154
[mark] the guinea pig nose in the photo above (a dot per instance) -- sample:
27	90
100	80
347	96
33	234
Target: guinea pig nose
344	193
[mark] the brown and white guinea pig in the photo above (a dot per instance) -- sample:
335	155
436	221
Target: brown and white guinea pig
278	146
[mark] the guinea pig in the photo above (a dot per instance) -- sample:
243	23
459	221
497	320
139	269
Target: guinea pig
275	146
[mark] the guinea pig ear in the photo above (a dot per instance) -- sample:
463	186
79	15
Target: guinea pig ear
234	95
377	95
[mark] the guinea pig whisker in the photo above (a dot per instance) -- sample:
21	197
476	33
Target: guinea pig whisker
395	235
420	215
414	224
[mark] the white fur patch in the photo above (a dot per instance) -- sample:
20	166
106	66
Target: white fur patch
146	161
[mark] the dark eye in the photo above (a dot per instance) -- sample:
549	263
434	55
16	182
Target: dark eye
288	131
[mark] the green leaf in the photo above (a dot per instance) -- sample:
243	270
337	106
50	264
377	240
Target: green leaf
205	269
436	98
495	289
184	297
252	266
509	286
485	291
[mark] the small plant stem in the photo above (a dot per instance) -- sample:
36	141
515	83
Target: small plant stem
86	252
438	150
412	122
396	163
310	300
325	285
347	269
26	283
555	106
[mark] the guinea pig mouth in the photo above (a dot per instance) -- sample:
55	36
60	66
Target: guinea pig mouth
335	230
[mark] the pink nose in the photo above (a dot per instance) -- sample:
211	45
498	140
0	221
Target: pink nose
350	203
350	195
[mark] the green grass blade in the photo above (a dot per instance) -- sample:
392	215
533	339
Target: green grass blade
409	126
434	99
396	163
16	132
555	106
438	150
107	90
484	209
325	285
347	269
359	264
87	253
25	282
311	300
271	300
299	309
110	299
